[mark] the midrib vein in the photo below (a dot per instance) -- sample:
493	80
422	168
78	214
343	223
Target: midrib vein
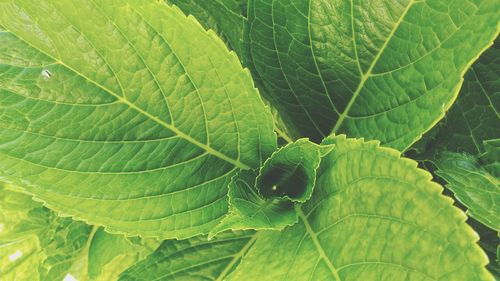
141	58
236	258
368	73
119	98
317	244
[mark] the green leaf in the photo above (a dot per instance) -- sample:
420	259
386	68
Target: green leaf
249	210
226	17
373	216
126	115
475	116
193	259
474	187
385	70
291	171
265	200
36	244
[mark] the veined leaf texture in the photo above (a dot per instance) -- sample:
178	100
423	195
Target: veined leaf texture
128	115
134	118
384	70
373	216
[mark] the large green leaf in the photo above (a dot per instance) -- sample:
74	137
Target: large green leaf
36	244
478	190
385	70
226	17
195	259
127	115
373	216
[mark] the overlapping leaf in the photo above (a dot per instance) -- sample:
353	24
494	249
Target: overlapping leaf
373	216
36	244
477	189
474	117
385	70
464	147
226	17
127	115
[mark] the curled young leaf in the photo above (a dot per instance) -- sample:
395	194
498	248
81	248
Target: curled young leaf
291	171
267	201
249	210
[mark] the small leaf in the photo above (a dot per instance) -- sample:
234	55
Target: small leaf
267	201
291	171
110	254
474	187
373	216
226	17
19	246
249	210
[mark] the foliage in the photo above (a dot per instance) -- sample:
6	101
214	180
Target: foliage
259	140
